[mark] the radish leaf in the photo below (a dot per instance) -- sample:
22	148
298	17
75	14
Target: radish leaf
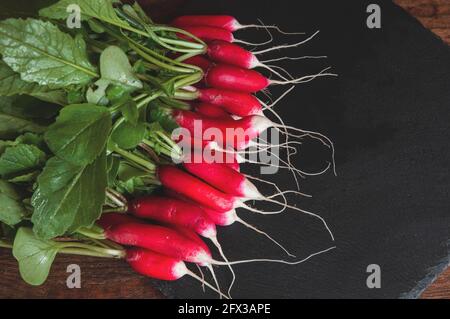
35	256
12	84
127	135
99	9
68	196
21	159
11	208
41	53
114	66
79	133
11	125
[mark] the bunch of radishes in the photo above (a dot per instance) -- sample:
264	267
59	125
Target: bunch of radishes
200	195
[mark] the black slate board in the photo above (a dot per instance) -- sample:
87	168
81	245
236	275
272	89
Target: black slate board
388	115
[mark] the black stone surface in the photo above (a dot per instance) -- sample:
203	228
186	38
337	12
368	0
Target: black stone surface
388	115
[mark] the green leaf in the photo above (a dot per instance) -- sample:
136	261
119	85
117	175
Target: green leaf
79	133
11	126
127	135
98	96
31	139
41	53
127	172
35	256
12	84
4	145
130	112
28	107
11	209
26	178
68	196
163	117
99	9
20	159
115	67
113	164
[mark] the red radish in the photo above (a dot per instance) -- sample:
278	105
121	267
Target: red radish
206	195
219	218
233	54
230	53
213	156
225	179
209	34
157	266
227	219
199	151
219	21
211	110
226	132
132	232
237	103
228	77
175	212
200	61
185	216
194	189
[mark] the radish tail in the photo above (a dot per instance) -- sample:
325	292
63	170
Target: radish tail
304	79
302	211
237	262
219	248
193	275
315	135
256	44
262	25
295	58
285	46
265	234
213	274
280	192
202	275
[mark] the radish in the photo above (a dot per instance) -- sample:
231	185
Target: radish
208	34
186	216
198	191
199	151
211	110
219	21
229	77
237	103
194	189
233	54
225	179
239	134
175	212
224	218
158	266
200	61
178	243
129	231
226	132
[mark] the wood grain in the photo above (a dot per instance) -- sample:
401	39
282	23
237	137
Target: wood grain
433	14
100	279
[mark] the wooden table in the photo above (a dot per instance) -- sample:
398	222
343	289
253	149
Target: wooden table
114	279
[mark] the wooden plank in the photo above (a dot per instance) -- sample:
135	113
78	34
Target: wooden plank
100	278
